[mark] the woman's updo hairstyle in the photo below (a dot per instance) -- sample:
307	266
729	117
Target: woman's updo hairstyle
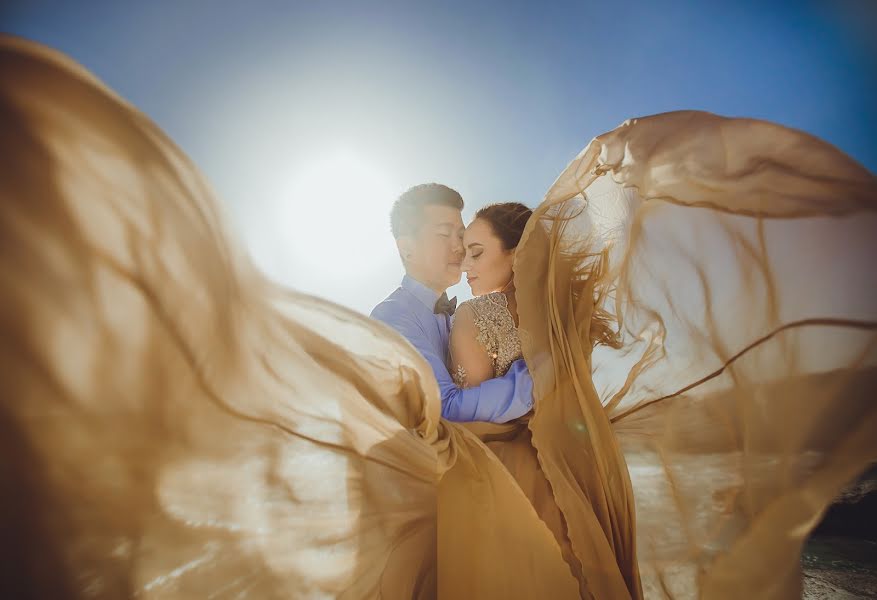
507	219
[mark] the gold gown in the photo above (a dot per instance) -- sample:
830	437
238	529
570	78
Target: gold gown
489	321
176	425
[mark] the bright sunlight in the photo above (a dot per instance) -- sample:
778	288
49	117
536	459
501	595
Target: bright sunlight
329	231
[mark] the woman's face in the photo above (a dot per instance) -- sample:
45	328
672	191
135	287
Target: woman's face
487	264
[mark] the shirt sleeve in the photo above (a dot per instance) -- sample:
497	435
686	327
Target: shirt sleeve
496	400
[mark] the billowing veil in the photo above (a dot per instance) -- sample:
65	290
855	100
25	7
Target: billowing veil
175	425
716	277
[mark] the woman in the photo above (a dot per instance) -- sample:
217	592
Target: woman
484	341
176	425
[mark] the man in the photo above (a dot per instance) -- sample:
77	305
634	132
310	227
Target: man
427	224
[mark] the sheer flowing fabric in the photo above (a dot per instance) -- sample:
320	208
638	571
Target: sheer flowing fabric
716	277
175	425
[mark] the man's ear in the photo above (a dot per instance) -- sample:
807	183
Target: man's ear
405	246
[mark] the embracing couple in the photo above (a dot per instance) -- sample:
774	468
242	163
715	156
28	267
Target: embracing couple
476	354
474	349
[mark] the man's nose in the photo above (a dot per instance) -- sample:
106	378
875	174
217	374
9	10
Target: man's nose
458	248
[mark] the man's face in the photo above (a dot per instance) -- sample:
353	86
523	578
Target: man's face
434	253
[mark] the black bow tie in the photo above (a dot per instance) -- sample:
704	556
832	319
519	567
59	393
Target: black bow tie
443	305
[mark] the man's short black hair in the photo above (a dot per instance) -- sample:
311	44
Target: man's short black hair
406	217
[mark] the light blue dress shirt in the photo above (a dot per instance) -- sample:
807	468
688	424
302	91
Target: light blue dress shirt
409	310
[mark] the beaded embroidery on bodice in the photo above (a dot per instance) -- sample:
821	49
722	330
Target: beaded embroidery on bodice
497	333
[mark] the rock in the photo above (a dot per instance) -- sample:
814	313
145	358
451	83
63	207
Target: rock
854	511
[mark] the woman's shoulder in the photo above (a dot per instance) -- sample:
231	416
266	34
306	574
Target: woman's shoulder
481	309
466	311
479	303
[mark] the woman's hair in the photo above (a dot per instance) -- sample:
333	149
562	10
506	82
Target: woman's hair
507	219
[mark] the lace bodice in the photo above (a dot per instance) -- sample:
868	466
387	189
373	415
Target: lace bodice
497	333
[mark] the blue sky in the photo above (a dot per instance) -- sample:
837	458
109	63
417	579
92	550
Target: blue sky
493	98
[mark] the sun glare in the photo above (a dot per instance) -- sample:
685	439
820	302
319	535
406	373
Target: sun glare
329	231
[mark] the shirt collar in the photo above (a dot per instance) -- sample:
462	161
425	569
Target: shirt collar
424	294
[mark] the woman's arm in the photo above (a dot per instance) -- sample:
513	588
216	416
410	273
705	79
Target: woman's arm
470	363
